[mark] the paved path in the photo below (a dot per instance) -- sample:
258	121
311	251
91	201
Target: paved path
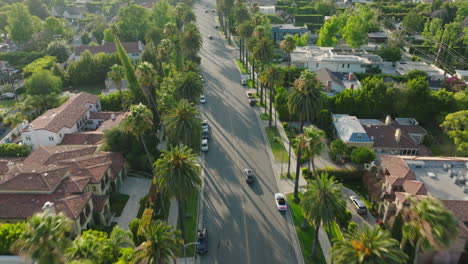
357	218
137	188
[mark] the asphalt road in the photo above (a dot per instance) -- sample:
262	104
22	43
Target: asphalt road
243	223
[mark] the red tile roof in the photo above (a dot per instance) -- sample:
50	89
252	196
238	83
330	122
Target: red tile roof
83	138
66	115
460	210
109	47
99	201
414	187
51	154
397	167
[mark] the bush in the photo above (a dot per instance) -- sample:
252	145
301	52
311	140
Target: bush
344	219
9	233
133	226
363	155
303	19
352	226
145	222
20	58
14	150
338	151
44	63
342	174
305	172
274	19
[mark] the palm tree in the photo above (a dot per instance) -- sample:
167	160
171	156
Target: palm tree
145	74
245	31
117	74
272	77
178	175
161	246
287	45
165	49
428	225
138	122
189	86
322	203
120	238
301	143
263	52
153	35
183	124
45	238
305	100
183	14
314	145
369	245
191	41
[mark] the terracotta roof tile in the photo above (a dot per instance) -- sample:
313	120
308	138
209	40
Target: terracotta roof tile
66	115
414	187
76	184
118	162
51	154
98	172
73	205
99	201
397	167
460	209
83	138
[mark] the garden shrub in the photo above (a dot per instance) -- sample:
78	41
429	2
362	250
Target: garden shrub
14	150
9	233
303	19
20	58
342	174
44	63
363	155
133	226
145	222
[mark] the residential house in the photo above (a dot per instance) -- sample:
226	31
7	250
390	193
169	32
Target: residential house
279	31
267	9
435	74
72	13
462	75
335	82
413	177
377	37
402	136
287	18
77	179
79	113
133	49
315	58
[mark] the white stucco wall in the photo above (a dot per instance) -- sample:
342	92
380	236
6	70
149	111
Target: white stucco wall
336	66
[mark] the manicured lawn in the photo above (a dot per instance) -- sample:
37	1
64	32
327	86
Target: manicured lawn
333	232
92	88
264	116
191	224
118	202
277	147
7	103
442	145
306	235
241	67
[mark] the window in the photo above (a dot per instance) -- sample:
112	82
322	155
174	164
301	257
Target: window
28	139
51	138
316	65
342	66
348	65
359	137
90	106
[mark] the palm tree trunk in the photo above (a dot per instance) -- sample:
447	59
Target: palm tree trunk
119	87
240	51
181	219
416	251
271	104
298	170
289	158
314	245
253	75
313	168
148	156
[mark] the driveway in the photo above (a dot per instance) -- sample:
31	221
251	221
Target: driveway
243	223
357	218
137	188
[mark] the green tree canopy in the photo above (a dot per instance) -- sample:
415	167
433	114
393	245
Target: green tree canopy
456	126
9	233
43	83
20	23
133	22
363	155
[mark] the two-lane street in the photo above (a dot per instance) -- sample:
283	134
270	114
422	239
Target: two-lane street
243	222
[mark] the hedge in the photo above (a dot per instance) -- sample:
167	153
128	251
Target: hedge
20	58
282	7
306	11
14	150
314	27
145	222
274	19
303	19
44	63
342	174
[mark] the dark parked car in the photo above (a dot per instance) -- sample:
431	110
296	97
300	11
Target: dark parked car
202	241
249	176
205	133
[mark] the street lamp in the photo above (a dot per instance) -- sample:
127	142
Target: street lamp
189	244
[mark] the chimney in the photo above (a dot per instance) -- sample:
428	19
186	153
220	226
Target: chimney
398	135
329	85
350	76
352	86
49	208
388	120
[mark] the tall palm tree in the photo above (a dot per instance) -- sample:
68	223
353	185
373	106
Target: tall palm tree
188	86
250	45
183	15
301	143
263	52
245	31
191	41
120	238
146	77
369	245
178	175
322	203
314	145
183	124
161	246
45	238
287	45
428	225
272	77
117	74
138	122
305	100
165	50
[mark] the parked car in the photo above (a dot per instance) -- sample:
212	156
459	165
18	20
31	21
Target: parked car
280	202
244	82
210	37
204	145
202	241
359	204
7	96
249	176
202	79
202	99
204	124
216	26
205	133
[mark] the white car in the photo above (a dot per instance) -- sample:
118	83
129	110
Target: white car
202	99
281	202
204	124
243	82
359	204
204	145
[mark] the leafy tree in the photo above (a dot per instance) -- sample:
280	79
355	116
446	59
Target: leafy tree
20	24
301	41
107	35
9	233
390	53
37	104
362	155
85	39
59	49
322	203
413	22
43	83
117	74
153	36
41	64
138	122
162	14
419	94
91	245
55	27
45	238
367	245
329	31
183	124
131	77
428	226
281	99
133	22
3	21
37	8
338	150
177	175
161	246
455	125
432	28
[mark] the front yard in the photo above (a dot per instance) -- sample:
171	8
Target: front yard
279	152
191	224
305	235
